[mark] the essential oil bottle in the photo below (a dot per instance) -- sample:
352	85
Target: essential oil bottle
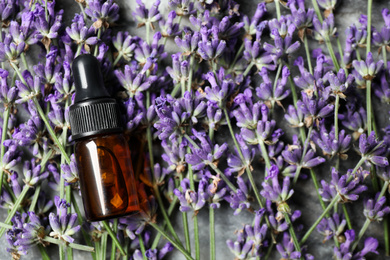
107	183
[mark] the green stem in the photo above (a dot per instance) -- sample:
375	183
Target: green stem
35	198
349	223
82	10
6	115
277	75
361	233
305	147
113	246
95	52
336	117
69	253
211	132
264	153
80	221
341	56
386	235
317	10
277	6
369	18
43	252
307	54
97	250
61	249
192	61
196	236
79	47
24	61
147	27
175	89
311	229
173	242
212	233
292	232
72	245
183	86
113	237
359	58
170	210
384	55
238	54
316	185
164	213
248	69
15	207
331	52
104	239
142	246
62	180
117	59
369	108
46	11
292	87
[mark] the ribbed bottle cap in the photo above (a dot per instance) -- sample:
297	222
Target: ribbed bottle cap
93	111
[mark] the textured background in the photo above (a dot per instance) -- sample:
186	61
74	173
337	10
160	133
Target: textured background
304	198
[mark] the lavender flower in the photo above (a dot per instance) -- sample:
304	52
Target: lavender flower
331	145
382	90
373	150
210	47
220	89
147	16
9	50
332	226
250	25
239	200
348	190
182	7
236	165
189	42
48	29
324	30
375	209
63	225
286	248
174	155
70	171
80	33
328	5
8	93
154	254
250	240
339	83
7	10
214	116
11	158
192	200
32	173
255	55
368	68
294	155
314	109
168	27
32	233
125	44
344	252
277	193
24	34
301	18
270	95
135	81
206	154
294	117
382	38
354	120
102	14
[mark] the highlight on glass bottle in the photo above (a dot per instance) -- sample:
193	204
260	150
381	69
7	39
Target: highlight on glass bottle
107	182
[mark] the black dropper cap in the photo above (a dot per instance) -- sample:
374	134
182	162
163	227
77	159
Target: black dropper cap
94	111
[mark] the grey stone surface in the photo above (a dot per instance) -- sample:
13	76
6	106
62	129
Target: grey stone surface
304	198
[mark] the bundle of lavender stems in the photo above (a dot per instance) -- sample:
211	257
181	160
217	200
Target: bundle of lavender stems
232	113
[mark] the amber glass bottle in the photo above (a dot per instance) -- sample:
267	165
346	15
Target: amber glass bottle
102	154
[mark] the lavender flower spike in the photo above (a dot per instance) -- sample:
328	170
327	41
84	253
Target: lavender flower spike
373	150
64	225
344	252
375	209
368	68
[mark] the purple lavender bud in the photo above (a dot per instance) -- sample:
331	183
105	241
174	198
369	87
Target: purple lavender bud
70	171
168	28
254	54
125	44
301	18
332	226
324	30
331	145
344	251
373	150
277	193
192	200
102	14
63	225
239	200
182	7
146	16
348	190
368	68
234	161
250	25
375	209
219	89
32	173
328	5
286	248
80	33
